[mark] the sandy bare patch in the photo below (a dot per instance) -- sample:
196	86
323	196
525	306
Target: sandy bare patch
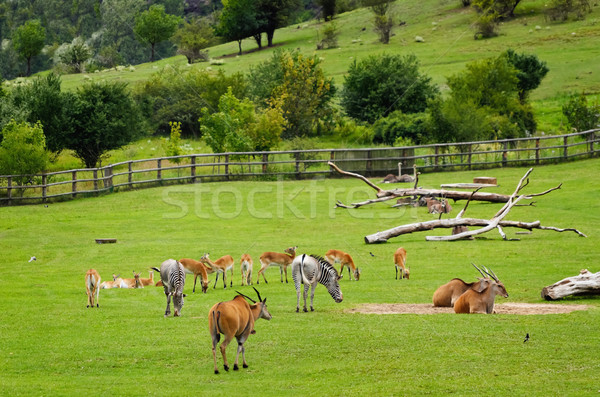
428	308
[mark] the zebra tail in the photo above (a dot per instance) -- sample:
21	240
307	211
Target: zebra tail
155	269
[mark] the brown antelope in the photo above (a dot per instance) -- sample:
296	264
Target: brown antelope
246	268
447	294
400	264
220	266
196	268
149	280
235	318
92	287
276	259
437	207
117	282
473	301
134	282
337	256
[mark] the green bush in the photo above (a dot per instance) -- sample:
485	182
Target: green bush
348	130
580	115
22	151
413	127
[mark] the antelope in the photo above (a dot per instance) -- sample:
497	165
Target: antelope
481	302
148	281
172	276
400	262
337	256
235	318
310	270
92	287
221	265
276	259
117	282
246	268
437	207
134	282
196	268
447	294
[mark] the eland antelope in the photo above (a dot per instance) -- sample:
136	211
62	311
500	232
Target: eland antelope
481	302
447	294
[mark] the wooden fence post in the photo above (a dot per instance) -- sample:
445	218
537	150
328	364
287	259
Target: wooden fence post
469	155
96	180
130	173
591	139
9	190
369	162
158	171
505	154
537	151
265	160
297	156
193	169
227	167
44	187
435	159
108	182
74	183
565	147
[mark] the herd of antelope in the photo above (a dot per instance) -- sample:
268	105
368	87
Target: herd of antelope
236	318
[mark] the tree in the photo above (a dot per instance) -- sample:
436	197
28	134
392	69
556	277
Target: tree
530	72
238	21
155	25
501	8
559	10
298	83
193	37
104	117
379	85
328	9
22	151
74	55
28	40
580	116
383	19
274	14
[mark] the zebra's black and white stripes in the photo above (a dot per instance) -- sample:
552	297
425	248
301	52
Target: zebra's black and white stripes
172	275
310	270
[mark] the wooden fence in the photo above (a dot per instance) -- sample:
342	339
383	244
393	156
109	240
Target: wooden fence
298	164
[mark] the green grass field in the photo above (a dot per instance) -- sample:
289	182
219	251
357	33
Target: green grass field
52	345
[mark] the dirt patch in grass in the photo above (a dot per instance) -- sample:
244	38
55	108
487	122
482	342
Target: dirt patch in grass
503	308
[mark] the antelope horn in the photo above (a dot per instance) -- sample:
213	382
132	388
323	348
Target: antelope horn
480	271
491	274
258	293
245	296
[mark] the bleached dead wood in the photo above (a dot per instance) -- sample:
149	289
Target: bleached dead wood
585	283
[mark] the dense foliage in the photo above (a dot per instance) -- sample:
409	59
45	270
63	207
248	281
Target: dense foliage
22	151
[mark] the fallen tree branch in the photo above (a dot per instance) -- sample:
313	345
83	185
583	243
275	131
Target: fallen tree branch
352	174
585	283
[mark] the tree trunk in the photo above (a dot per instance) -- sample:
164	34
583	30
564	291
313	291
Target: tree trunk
258	39
240	47
270	34
586	283
152	54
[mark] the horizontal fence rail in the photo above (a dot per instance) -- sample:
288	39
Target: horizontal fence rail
297	164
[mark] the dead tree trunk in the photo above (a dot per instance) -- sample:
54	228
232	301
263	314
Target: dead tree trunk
585	283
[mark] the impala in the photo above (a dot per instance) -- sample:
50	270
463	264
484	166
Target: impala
276	259
235	318
337	256
220	266
92	287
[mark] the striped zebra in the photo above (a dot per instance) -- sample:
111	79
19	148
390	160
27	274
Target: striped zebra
310	270
172	275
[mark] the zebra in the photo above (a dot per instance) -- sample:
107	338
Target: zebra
310	270
172	275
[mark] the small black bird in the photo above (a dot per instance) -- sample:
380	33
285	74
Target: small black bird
526	337
371	254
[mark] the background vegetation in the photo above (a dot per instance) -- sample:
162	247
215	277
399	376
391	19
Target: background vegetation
52	344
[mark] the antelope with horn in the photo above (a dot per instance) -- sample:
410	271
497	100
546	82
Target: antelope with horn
235	318
220	266
481	302
310	270
276	259
447	294
117	282
92	287
135	282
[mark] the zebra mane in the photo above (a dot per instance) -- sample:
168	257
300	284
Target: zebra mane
328	266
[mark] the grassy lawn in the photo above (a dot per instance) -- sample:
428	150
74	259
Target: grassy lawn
52	345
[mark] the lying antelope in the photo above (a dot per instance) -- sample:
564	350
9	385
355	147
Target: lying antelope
437	207
447	294
310	270
220	266
235	318
117	282
400	264
276	259
148	281
196	268
134	282
481	302
92	287
246	268
337	256
172	276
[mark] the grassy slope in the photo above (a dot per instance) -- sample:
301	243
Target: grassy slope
52	345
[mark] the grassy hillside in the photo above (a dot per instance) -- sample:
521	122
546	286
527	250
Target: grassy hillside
53	345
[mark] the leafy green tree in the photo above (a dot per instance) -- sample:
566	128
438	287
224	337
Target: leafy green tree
379	85
118	17
530	72
22	151
173	145
413	127
501	8
328	9
192	39
298	83
155	25
238	20
28	40
104	117
74	55
383	18
580	115
274	14
559	10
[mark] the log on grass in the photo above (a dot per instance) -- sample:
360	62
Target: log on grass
585	283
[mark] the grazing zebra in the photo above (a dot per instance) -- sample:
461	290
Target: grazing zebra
310	270
172	276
